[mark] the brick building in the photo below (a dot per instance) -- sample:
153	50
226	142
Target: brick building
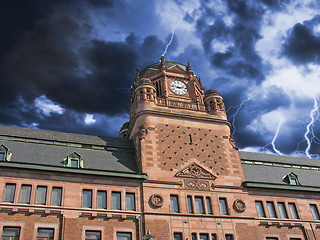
175	172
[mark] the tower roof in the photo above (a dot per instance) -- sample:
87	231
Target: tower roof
167	65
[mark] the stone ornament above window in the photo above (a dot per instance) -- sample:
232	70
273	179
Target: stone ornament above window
239	205
156	200
195	171
197	184
5	153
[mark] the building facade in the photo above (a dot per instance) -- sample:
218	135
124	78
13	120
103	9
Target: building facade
175	173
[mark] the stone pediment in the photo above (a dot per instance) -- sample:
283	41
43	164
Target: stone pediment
195	171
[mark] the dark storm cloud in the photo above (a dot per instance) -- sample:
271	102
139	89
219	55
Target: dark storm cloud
52	52
240	59
302	45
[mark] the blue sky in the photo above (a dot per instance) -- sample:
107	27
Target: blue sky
68	65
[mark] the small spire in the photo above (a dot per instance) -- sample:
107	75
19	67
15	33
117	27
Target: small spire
138	72
162	62
200	82
188	67
162	59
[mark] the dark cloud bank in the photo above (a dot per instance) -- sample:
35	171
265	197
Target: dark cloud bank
49	48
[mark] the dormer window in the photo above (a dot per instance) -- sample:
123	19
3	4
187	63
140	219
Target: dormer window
291	179
5	154
73	160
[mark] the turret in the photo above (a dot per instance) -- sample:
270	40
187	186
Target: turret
214	103
124	130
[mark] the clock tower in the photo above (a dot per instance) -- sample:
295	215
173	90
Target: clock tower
177	128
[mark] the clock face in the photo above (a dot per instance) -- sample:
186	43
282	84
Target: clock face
178	87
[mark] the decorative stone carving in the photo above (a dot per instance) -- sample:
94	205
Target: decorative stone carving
143	131
197	184
156	200
195	171
239	205
232	142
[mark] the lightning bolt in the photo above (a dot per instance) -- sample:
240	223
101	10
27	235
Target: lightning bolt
272	143
171	39
314	115
233	116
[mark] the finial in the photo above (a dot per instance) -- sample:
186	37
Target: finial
200	82
188	67
138	72
162	59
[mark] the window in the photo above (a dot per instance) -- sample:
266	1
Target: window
74	163
45	234
87	198
229	237
25	194
271	238
291	178
130	201
199	205
293	211
260	209
174	203
295	238
213	236
204	236
193	236
282	210
102	199
73	160
314	211
93	235
5	154
177	236
190	207
10	233
271	210
9	192
116	200
223	206
56	196
124	236
41	197
208	202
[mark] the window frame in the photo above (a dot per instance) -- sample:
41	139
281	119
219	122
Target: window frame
10	226
273	208
200	201
116	193
87	199
223	206
190	205
134	201
174	208
22	188
127	232
284	210
295	210
14	193
208	205
89	230
316	211
106	200
178	233
61	196
45	197
50	238
260	207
